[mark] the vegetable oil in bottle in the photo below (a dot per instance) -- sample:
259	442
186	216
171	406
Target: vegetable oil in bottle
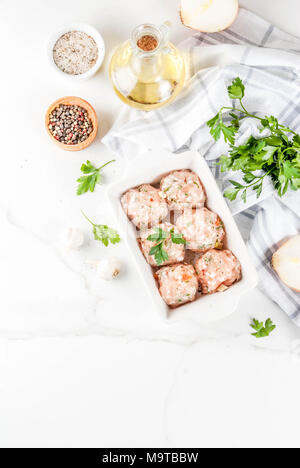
147	71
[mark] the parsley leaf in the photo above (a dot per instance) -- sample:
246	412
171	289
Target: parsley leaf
217	127
231	194
177	238
290	171
159	253
92	177
262	330
88	167
237	89
157	250
104	233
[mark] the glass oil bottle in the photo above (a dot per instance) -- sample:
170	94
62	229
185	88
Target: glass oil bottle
147	72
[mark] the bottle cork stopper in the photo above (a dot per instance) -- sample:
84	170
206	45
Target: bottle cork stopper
147	43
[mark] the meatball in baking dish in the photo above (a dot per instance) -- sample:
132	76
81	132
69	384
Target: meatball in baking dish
217	269
178	284
183	189
166	238
202	229
144	206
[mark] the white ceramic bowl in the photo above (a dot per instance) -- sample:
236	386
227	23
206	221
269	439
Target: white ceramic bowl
91	31
148	169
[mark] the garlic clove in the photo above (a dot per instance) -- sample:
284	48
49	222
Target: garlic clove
72	238
109	268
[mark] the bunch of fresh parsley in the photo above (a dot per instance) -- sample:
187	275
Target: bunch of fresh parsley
159	237
92	176
276	156
104	233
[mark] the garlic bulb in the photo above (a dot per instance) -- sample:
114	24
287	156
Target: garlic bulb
108	268
72	238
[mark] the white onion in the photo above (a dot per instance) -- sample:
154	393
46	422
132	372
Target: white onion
209	15
286	262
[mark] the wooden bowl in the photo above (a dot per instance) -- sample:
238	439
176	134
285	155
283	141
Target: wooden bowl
75	101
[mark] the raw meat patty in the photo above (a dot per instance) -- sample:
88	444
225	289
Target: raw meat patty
144	206
183	189
202	229
217	268
177	284
176	252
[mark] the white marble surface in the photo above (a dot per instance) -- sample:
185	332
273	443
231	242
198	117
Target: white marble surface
85	363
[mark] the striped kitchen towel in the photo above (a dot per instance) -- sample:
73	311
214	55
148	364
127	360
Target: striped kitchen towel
268	61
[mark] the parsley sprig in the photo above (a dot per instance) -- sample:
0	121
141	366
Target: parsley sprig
262	330
92	177
177	238
104	233
159	237
277	155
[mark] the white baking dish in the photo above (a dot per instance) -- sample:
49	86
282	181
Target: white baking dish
149	168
